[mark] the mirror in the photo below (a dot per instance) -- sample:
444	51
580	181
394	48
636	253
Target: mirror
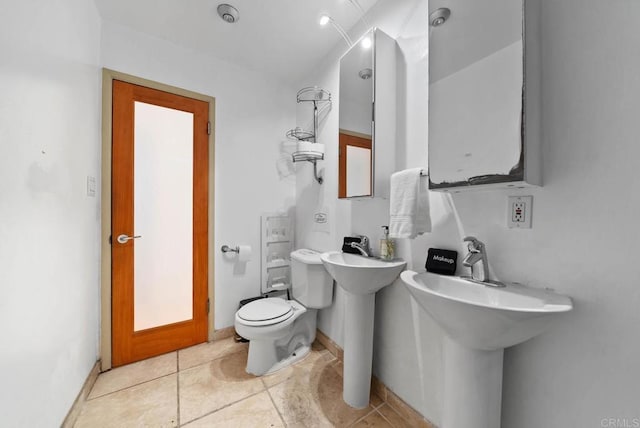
476	95
355	156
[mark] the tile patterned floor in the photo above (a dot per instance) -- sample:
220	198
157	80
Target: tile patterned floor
207	386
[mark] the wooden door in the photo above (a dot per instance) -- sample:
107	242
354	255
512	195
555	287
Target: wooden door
159	186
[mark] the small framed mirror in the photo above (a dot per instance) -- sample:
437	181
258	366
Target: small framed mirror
356	134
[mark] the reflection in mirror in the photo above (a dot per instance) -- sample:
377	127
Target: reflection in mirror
476	93
354	164
356	127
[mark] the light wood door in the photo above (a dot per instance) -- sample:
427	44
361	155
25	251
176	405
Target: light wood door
160	193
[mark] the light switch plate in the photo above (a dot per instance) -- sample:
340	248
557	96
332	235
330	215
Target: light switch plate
519	212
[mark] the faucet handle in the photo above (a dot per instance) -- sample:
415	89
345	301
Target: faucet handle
363	239
473	242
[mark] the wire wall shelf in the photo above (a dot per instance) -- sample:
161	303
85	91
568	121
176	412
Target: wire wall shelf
308	149
307	156
314	94
299	134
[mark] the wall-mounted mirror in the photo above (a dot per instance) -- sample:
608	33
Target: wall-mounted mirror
367	91
355	156
476	96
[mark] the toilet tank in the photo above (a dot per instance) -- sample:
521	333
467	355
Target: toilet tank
311	284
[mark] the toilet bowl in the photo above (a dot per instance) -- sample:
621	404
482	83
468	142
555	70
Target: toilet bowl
280	332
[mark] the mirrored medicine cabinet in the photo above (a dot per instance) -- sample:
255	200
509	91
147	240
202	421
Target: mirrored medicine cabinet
367	116
483	109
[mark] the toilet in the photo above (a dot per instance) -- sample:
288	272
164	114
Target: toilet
280	332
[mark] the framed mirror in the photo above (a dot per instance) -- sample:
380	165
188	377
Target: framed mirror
477	97
356	139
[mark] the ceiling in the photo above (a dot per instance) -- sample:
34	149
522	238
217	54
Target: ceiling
278	37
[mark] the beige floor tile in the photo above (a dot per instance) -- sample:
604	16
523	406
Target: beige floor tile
317	346
255	411
313	398
211	386
151	404
133	374
393	417
374	400
373	420
205	352
305	365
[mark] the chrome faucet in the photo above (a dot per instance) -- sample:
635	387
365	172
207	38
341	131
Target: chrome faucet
477	255
362	246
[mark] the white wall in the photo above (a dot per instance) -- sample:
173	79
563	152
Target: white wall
585	368
49	227
252	171
583	241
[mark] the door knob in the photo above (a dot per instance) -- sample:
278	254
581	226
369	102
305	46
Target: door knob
123	239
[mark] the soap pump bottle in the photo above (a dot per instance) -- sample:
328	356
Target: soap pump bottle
387	249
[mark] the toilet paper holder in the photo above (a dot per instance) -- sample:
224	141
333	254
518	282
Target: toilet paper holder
228	249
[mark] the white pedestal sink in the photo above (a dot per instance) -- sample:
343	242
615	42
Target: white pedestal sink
480	321
360	277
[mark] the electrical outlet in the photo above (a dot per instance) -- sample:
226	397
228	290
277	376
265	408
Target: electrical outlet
519	212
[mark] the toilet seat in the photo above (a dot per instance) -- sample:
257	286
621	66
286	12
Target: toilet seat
265	312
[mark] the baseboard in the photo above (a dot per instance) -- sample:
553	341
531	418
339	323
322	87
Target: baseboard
381	390
74	412
330	345
224	333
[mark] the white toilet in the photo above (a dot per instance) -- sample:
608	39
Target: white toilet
280	332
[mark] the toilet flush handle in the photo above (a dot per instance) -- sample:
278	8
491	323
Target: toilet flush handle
123	239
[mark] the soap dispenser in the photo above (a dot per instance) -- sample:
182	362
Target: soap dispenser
387	247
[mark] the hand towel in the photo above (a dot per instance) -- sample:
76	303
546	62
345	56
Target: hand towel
409	204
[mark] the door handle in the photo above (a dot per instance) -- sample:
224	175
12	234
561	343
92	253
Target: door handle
123	239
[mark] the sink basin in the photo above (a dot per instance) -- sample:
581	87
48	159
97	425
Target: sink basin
483	317
479	321
361	275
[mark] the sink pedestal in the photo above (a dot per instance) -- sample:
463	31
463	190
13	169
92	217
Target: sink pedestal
473	386
360	278
358	348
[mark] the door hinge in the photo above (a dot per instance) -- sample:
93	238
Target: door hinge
208	305
110	240
208	128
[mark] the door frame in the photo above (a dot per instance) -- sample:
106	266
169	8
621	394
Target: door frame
108	76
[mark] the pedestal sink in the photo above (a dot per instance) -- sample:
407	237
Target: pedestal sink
479	322
360	277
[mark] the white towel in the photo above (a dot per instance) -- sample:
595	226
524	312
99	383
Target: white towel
409	211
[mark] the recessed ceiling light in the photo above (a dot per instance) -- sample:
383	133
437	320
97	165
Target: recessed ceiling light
365	73
228	13
324	20
439	16
366	42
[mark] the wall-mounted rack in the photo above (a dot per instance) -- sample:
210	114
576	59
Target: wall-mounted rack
277	244
308	149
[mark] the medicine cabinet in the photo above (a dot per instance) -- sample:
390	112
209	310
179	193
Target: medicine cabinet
483	112
367	105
